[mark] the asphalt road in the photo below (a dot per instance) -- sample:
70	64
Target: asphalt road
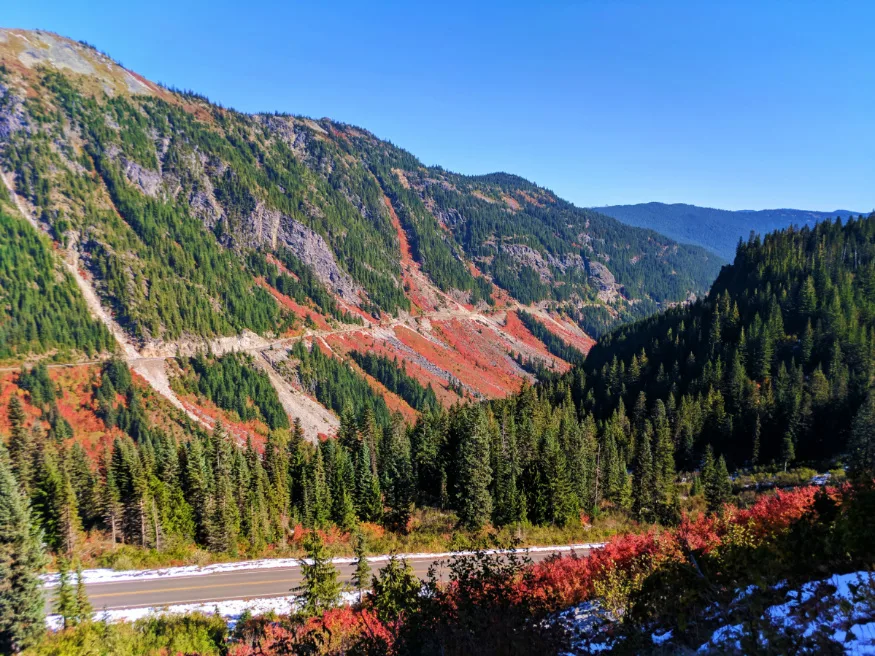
205	588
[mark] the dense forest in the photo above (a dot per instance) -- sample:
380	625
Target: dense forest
775	365
770	367
232	383
41	308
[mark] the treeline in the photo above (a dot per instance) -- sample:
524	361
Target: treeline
41	308
396	379
772	366
554	344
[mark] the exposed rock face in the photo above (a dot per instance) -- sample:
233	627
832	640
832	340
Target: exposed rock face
59	53
604	281
12	118
147	180
528	256
311	248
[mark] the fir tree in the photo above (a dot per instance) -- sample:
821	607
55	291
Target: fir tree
862	443
22	610
65	603
20	446
396	590
83	605
320	590
361	577
644	491
475	475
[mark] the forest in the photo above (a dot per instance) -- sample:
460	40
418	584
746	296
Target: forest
777	357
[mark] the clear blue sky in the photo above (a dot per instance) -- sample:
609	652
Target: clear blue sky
726	104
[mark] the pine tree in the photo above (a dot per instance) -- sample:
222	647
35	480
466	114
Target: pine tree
369	498
475	474
715	480
399	475
20	446
83	605
321	495
644	492
320	590
396	590
22	611
361	577
65	603
561	501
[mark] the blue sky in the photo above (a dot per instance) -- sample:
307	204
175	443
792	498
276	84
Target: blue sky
726	104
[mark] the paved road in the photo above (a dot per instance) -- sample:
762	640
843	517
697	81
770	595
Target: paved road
205	588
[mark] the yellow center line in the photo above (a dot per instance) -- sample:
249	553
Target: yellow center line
182	589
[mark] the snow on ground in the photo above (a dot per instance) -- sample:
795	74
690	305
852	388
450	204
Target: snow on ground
230	609
113	576
840	608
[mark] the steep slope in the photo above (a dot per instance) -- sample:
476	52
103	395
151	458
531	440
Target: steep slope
716	230
772	366
191	227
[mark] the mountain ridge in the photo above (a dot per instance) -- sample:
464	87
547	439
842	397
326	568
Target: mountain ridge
715	229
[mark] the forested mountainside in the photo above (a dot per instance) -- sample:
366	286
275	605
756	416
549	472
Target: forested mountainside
716	230
775	365
772	366
189	216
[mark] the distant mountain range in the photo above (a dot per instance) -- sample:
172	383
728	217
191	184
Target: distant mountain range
716	230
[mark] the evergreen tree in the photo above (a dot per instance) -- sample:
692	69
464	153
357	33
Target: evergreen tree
321	494
20	446
400	491
65	604
361	577
862	444
83	605
320	590
644	491
396	590
715	480
369	498
22	611
475	474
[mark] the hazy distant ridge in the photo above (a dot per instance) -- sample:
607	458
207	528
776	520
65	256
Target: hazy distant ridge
716	230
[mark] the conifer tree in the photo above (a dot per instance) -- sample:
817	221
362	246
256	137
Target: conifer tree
320	590
83	605
22	611
361	577
862	443
399	475
65	604
644	492
396	590
321	495
369	498
20	446
474	500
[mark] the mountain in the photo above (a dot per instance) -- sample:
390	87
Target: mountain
183	226
771	366
716	230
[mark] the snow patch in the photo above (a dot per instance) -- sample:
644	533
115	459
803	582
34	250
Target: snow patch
230	609
90	576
